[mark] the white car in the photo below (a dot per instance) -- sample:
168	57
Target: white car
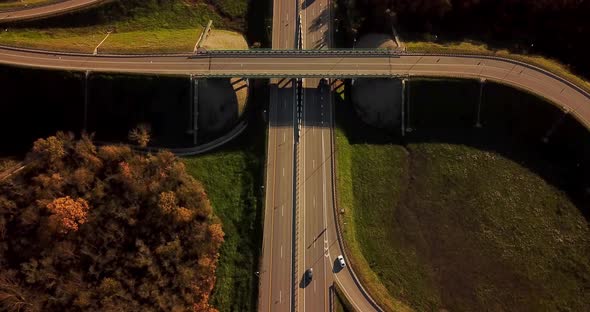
341	261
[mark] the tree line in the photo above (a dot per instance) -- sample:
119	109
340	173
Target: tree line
557	29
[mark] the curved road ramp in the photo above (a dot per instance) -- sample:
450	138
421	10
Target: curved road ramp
49	10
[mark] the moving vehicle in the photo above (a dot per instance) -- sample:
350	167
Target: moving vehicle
341	261
309	274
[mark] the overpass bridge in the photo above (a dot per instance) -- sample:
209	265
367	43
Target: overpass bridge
320	63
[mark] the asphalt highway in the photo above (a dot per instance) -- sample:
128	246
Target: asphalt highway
275	292
276	274
319	245
315	200
53	9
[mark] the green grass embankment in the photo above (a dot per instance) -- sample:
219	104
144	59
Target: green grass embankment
166	28
459	218
231	176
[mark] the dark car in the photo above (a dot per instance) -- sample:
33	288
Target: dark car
309	274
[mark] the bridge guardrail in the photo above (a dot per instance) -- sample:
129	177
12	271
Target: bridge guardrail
297	75
332	52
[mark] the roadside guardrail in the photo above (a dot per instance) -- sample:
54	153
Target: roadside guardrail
331	52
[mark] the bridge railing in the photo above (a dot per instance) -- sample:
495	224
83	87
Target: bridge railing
331	52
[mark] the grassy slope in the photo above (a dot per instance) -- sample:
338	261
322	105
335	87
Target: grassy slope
231	177
466	229
168	28
229	180
355	230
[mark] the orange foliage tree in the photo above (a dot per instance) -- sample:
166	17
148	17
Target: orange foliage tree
136	232
68	213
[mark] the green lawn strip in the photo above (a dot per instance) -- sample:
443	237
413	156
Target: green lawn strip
79	40
546	63
231	178
167	28
353	223
155	41
21	4
366	225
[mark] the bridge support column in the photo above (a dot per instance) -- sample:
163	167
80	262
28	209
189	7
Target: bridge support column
482	82
194	108
85	118
554	126
409	100
403	104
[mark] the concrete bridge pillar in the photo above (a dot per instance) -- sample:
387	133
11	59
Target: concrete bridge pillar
403	104
554	126
194	107
409	100
482	82
86	98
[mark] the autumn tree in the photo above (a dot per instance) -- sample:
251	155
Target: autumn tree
86	228
140	135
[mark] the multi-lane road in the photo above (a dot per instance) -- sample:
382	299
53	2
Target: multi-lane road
52	9
319	244
276	269
315	203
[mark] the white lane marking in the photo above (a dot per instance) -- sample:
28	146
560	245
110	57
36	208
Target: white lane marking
280	296
326	244
313	164
281	251
304	141
283	171
282	210
314	285
284	137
